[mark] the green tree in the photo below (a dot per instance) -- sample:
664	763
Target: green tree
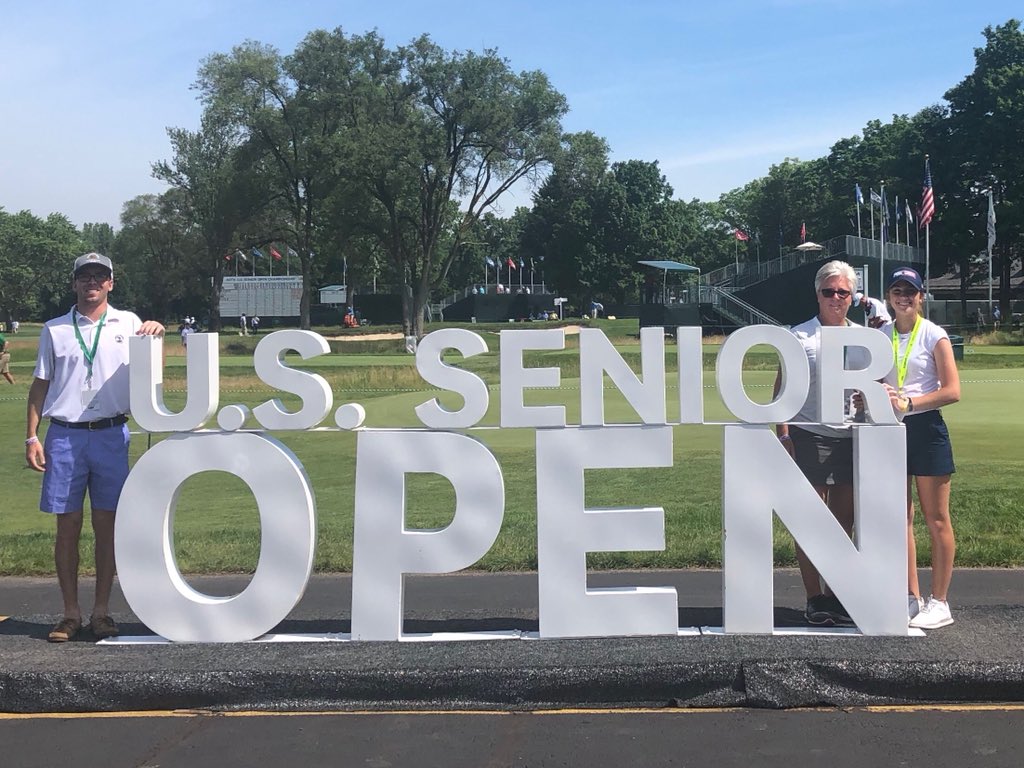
986	132
561	230
222	180
477	129
592	224
98	237
160	257
36	256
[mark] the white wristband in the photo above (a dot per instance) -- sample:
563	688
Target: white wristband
31	441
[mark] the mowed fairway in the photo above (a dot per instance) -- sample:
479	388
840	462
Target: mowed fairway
217	530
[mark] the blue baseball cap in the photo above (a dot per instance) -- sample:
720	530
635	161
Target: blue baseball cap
905	275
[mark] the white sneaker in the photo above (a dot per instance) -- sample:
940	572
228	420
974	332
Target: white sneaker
914	605
933	615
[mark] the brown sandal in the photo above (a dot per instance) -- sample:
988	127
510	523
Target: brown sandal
103	627
65	630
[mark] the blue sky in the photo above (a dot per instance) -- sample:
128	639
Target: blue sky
715	91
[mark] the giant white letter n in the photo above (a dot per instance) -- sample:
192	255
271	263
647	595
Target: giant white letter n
869	578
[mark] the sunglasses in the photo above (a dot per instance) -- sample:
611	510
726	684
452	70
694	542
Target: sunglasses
911	291
828	293
92	277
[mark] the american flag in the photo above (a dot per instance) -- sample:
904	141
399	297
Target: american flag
741	235
927	197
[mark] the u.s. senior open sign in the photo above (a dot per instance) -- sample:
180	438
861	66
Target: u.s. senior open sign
759	479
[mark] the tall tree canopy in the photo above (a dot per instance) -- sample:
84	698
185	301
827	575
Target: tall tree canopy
411	145
36	256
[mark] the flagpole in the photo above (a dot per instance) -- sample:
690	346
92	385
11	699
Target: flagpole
990	279
991	230
906	212
858	217
896	210
872	217
928	240
927	265
881	263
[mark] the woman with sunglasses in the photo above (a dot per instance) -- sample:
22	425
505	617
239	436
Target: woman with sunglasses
923	379
824	453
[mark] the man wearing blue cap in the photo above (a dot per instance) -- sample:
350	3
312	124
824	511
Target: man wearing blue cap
81	386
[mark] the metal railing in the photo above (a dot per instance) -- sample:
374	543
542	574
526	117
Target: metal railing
745	274
740	311
491	288
447	300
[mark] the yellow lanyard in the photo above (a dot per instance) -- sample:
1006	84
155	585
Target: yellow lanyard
901	365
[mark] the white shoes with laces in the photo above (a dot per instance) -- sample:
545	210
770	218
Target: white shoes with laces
933	615
914	605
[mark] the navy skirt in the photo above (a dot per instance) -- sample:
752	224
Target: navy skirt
929	452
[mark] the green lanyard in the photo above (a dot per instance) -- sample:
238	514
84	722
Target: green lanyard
88	354
901	365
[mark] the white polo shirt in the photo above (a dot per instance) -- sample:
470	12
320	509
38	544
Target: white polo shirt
809	336
61	362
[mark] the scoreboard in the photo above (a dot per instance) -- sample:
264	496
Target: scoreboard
274	296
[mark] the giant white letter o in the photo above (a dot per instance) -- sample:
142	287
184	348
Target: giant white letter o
144	546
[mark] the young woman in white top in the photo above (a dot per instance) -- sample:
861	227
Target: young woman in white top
923	379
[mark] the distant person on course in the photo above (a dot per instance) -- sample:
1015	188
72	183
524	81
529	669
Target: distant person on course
81	385
875	313
5	360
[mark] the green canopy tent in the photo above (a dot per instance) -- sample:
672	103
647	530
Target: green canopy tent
666	267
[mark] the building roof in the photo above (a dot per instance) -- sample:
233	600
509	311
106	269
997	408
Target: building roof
670	266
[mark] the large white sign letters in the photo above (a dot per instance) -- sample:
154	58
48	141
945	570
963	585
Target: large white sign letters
759	481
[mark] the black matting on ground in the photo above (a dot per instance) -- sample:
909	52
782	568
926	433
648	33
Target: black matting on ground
978	659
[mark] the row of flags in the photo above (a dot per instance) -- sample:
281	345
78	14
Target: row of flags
925	211
509	262
258	254
743	237
882	203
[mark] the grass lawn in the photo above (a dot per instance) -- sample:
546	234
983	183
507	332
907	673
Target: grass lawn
216	527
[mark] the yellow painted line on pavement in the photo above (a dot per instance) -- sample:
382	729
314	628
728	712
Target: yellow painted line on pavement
875	709
214	713
894	708
943	708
